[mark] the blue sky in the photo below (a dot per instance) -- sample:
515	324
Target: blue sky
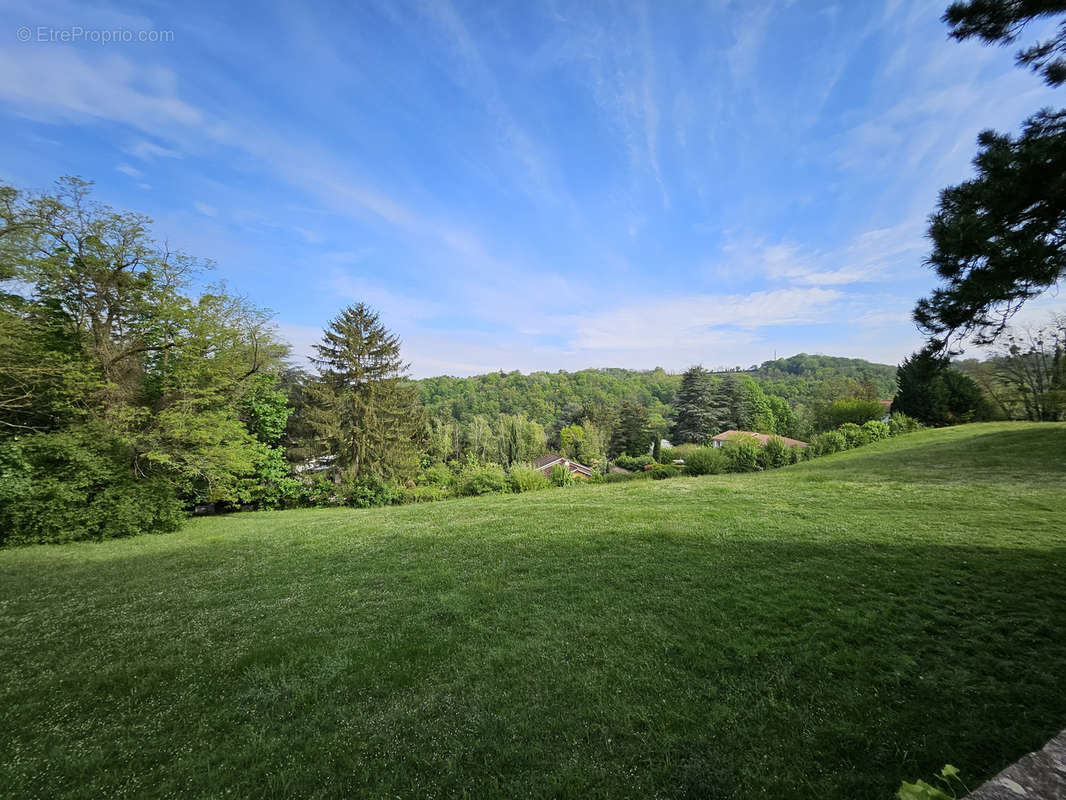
529	185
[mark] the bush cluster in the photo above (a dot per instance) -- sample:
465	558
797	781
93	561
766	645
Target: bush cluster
76	485
527	479
633	463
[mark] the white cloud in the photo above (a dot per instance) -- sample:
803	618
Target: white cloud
205	209
61	84
126	169
146	151
883	254
705	319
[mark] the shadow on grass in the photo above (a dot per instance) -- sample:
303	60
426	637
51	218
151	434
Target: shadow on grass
620	665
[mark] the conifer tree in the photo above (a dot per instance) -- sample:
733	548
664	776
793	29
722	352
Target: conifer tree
632	435
365	412
697	409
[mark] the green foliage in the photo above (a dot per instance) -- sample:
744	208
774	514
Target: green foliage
999	239
421	494
527	479
875	430
920	790
774	453
264	408
706	461
271	485
437	475
854	410
632	433
854	435
899	424
1001	22
935	394
363	409
787	422
681	451
483	479
827	443
320	491
661	471
76	485
561	476
368	491
698	407
634	463
112	341
741	455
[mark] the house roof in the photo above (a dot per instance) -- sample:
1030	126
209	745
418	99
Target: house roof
545	460
550	459
762	438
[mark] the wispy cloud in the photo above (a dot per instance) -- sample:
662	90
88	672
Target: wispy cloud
701	318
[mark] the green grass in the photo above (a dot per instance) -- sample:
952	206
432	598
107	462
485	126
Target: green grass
819	631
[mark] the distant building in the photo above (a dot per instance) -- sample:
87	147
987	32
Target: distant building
759	438
549	460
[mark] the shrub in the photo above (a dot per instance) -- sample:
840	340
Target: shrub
486	479
682	451
774	454
561	476
661	471
77	485
706	461
855	411
368	491
900	423
436	475
422	494
318	491
825	444
743	456
854	435
633	463
527	479
876	430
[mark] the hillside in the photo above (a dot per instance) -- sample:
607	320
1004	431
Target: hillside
545	396
822	630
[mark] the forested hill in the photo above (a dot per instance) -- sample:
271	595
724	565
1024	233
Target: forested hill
547	397
796	378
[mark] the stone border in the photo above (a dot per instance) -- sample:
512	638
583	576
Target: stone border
1038	776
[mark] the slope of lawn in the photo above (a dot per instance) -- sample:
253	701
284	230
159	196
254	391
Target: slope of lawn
819	631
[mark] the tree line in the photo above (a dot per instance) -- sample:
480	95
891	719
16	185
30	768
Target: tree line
131	392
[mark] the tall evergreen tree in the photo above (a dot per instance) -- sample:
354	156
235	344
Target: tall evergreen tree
933	393
632	434
698	413
365	411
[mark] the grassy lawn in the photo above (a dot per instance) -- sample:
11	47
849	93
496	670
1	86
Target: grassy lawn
819	631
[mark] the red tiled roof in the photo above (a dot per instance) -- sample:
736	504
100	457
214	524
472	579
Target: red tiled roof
762	438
